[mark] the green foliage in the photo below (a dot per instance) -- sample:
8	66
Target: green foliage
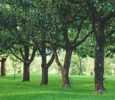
24	22
86	49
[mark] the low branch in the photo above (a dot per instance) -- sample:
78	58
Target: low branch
51	60
79	29
33	54
21	52
16	55
57	60
80	42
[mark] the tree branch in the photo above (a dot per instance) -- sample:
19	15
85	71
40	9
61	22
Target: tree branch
33	54
80	42
65	35
51	60
109	16
16	55
93	10
21	53
79	29
57	60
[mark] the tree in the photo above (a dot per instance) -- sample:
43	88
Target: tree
100	18
65	29
3	71
40	38
3	36
17	22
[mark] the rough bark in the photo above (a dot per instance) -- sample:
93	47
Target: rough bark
65	78
26	74
44	67
66	66
44	80
3	60
99	63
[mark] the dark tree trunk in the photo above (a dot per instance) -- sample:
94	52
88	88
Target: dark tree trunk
65	77
44	80
44	67
26	74
99	63
3	60
65	71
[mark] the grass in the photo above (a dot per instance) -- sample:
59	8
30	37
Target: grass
82	89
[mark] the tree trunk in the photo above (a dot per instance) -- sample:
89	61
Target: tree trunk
65	78
26	74
3	60
99	63
44	66
44	80
80	67
65	71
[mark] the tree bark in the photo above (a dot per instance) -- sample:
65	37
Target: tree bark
26	74
44	80
99	63
3	60
65	71
44	66
65	77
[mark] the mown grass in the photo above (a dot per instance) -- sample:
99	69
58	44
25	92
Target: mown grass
82	89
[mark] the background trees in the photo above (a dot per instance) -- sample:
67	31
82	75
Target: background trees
49	26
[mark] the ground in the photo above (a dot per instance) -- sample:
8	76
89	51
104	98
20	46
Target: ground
82	89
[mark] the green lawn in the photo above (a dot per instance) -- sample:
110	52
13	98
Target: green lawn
82	89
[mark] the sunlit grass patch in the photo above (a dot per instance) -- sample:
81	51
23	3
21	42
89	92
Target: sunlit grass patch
82	89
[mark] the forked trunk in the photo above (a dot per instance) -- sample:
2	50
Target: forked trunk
26	74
